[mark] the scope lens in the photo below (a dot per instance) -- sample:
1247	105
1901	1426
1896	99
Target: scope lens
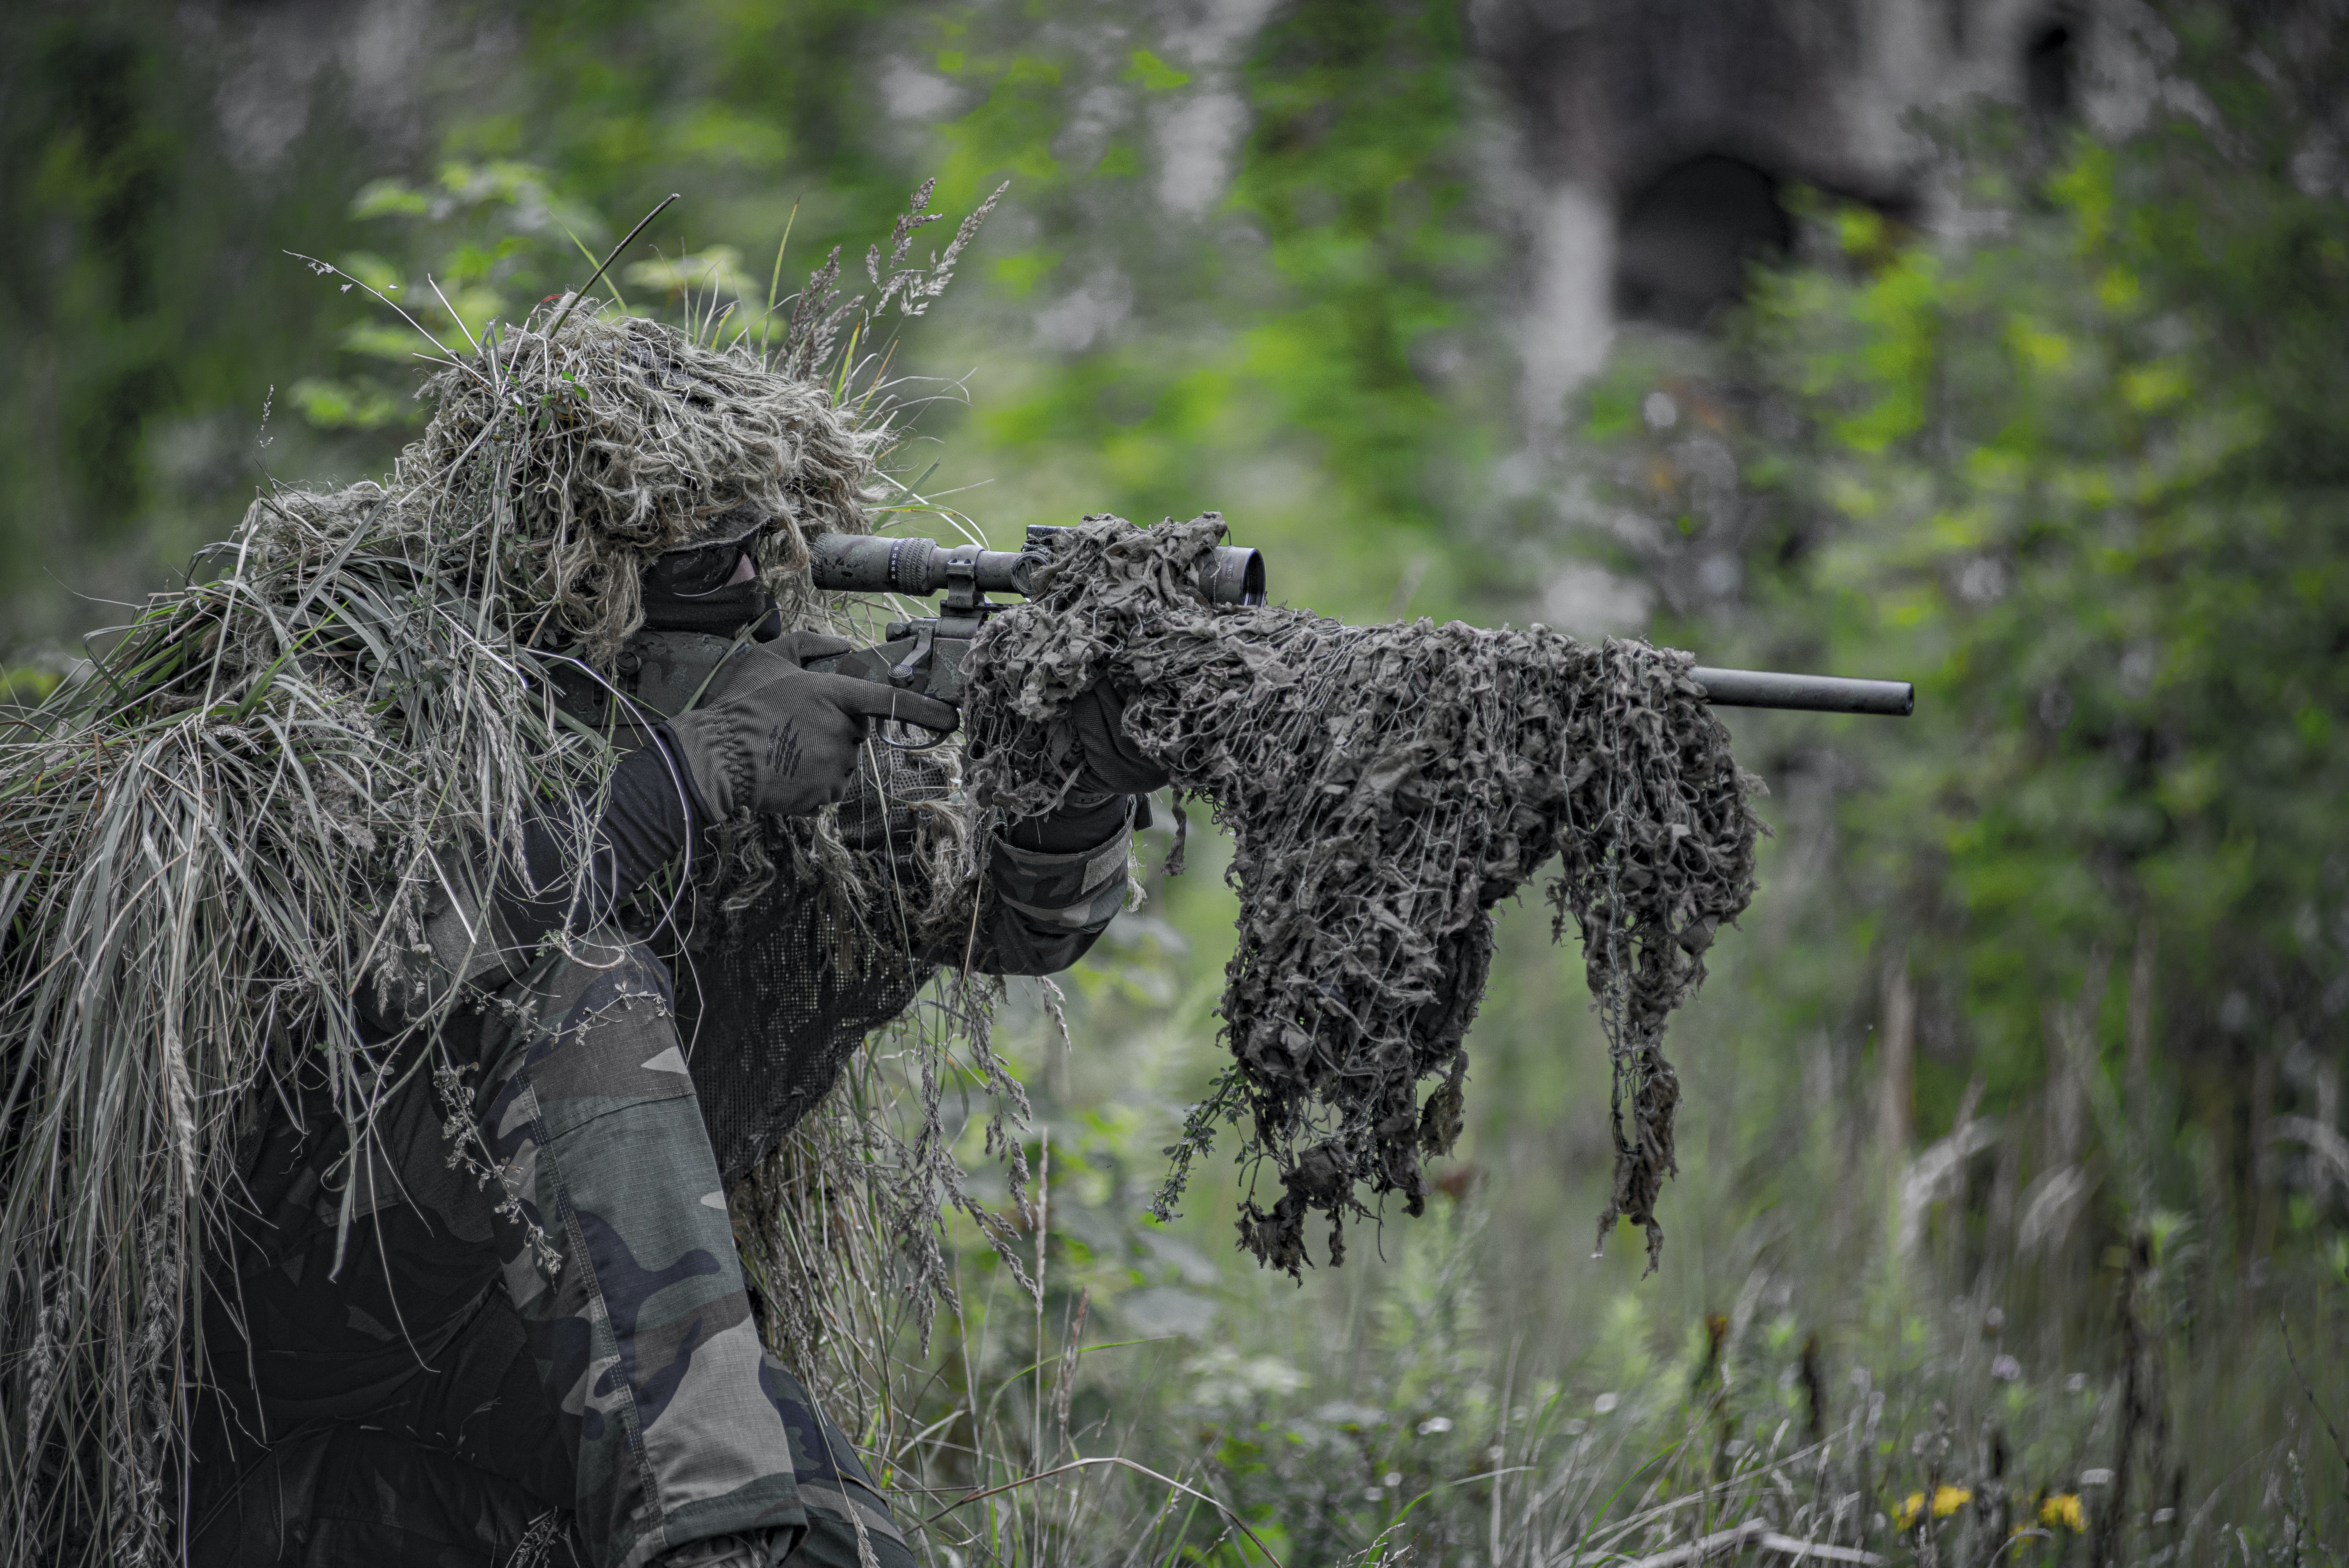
1233	575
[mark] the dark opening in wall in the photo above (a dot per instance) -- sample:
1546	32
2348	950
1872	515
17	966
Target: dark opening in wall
1686	236
2049	63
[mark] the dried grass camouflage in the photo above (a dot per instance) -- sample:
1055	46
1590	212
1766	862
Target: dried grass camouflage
236	821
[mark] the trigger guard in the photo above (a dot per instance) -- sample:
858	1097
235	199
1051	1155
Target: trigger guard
881	733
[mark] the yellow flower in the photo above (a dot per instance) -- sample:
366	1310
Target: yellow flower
1947	1500
2064	1508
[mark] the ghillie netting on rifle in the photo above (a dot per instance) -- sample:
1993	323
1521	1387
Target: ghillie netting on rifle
1387	786
227	835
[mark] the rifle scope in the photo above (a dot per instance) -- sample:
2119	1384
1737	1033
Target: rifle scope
869	564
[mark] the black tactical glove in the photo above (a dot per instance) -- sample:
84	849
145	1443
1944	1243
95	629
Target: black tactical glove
771	738
1113	764
1099	802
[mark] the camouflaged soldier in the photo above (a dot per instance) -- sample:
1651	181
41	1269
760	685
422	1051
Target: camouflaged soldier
576	1371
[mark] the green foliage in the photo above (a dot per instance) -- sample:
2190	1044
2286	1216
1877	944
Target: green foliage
477	244
2082	479
145	305
2072	484
1358	174
1319	322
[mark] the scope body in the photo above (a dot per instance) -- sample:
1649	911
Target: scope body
874	563
861	563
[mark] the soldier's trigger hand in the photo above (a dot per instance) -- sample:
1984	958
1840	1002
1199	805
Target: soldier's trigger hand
773	739
800	648
756	664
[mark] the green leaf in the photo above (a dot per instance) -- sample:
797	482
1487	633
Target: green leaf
1155	73
356	405
388	197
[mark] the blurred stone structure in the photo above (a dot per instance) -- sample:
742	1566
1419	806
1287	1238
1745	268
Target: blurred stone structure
1659	138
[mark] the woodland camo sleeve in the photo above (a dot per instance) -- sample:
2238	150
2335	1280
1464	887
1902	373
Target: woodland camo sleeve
1047	886
1045	909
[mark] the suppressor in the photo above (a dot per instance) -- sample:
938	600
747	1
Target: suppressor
1816	694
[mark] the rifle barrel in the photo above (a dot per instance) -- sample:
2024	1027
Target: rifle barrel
1816	694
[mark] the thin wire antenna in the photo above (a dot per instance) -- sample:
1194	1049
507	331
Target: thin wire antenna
572	303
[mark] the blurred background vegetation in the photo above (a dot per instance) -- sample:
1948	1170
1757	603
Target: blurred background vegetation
2013	1159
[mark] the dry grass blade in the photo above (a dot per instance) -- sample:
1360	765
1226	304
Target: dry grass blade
629	239
1096	1462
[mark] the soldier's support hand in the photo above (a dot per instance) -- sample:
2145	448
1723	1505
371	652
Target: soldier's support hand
1059	878
1108	793
770	737
1113	764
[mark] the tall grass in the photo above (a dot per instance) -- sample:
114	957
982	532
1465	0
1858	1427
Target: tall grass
1384	1422
1816	1391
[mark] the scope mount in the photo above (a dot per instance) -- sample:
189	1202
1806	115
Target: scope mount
964	611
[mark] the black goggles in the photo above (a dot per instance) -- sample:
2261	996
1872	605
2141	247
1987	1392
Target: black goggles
694	571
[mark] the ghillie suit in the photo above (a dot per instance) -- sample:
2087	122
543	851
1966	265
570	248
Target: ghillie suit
229	854
1386	785
234	855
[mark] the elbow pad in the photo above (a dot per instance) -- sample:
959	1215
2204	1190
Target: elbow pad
1076	893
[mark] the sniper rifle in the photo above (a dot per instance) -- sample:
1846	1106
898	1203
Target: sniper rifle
926	654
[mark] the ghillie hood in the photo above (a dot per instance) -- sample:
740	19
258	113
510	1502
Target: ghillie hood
591	452
237	819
